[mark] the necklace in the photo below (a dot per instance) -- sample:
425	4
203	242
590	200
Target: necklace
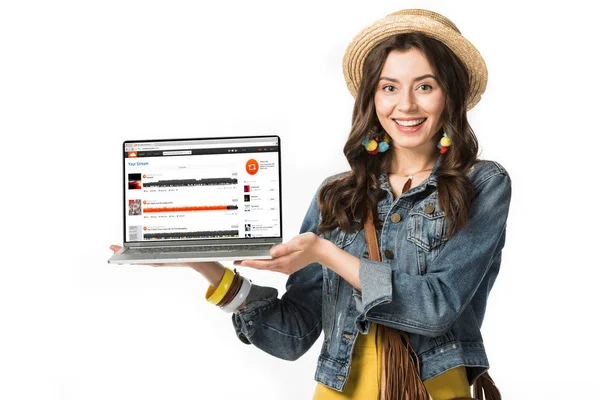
409	180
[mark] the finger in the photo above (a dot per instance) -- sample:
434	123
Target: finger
297	243
252	263
282	264
115	248
258	264
278	250
289	263
284	248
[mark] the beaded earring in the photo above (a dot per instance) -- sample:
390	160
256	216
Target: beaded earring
376	142
444	143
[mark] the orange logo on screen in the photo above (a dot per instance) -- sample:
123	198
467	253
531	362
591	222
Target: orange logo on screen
132	154
252	166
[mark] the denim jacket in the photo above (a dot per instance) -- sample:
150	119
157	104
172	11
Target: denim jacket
433	288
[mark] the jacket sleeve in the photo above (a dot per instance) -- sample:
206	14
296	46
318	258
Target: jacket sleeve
286	328
428	304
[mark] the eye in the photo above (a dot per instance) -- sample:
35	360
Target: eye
427	87
388	86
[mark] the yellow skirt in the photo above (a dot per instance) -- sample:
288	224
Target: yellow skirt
365	375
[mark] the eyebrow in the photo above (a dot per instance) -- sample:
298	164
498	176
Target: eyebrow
414	80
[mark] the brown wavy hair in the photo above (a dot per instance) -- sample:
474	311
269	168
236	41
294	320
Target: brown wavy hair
344	201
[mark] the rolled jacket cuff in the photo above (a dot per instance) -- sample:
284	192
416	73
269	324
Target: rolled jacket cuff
376	284
259	296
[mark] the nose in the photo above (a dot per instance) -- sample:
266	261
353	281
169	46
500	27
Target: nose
406	101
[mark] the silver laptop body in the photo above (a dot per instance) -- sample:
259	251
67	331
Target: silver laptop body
206	199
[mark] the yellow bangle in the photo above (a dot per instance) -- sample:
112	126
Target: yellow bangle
213	295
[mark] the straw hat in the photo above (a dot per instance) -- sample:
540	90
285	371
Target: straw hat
427	22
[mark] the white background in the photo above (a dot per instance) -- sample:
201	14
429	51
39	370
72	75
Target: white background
77	78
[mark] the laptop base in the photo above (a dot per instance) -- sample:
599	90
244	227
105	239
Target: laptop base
133	257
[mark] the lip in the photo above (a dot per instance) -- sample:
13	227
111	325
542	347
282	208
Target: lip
408	119
408	129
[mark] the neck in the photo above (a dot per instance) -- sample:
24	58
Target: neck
409	161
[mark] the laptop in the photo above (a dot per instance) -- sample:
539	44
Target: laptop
206	199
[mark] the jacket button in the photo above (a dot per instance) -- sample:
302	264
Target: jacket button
429	208
340	377
396	217
389	254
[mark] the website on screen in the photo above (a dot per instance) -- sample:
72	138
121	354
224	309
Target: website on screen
192	190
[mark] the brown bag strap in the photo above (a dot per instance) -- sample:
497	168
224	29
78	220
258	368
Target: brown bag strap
371	234
397	344
400	376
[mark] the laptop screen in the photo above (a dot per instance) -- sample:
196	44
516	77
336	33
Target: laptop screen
201	189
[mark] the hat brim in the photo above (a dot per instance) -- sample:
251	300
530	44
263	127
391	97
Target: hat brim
394	24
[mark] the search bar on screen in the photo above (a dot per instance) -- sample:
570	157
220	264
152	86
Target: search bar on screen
176	153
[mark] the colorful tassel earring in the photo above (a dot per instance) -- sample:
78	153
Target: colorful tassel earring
376	143
444	143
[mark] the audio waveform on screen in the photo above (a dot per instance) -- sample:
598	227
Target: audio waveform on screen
190	208
192	235
192	182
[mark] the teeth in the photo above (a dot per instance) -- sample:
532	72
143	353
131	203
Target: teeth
412	122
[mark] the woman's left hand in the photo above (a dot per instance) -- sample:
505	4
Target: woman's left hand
290	257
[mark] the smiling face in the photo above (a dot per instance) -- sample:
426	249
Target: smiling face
409	100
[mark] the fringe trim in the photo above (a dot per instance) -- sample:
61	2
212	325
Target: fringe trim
401	373
484	388
400	377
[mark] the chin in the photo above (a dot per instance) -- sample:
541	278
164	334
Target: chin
408	142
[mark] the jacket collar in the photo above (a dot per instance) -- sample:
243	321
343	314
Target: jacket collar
431	179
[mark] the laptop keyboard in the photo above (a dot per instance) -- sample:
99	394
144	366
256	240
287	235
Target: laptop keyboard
195	249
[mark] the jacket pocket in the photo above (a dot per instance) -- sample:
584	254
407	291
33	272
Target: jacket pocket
427	225
341	238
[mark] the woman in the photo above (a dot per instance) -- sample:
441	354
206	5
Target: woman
439	213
